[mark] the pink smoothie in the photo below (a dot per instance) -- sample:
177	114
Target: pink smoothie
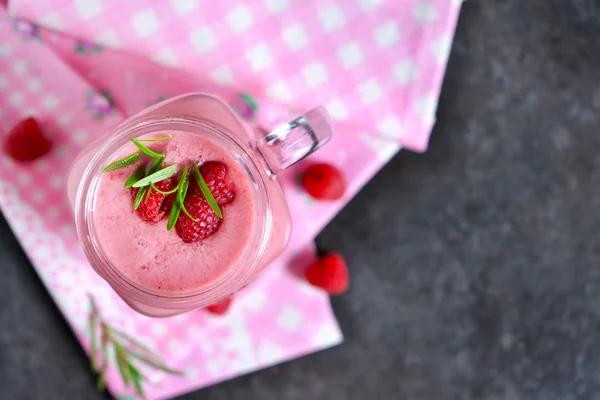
150	255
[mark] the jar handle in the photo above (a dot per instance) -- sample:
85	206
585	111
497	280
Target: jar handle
292	141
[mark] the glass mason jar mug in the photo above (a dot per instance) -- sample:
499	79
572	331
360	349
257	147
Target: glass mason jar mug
189	270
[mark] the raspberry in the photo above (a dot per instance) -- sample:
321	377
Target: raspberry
214	174
152	208
220	308
324	181
168	203
206	220
26	142
330	273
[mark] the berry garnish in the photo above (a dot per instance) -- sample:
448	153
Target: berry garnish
220	308
156	194
26	142
168	203
215	176
151	208
324	182
330	273
205	223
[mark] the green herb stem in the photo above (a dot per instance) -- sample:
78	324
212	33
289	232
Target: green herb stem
158	139
134	177
206	192
145	149
182	188
139	197
185	179
173	216
168	192
159	175
156	165
123	162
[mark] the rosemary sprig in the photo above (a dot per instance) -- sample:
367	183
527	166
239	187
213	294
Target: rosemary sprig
146	150
123	162
142	352
126	350
182	188
206	191
159	175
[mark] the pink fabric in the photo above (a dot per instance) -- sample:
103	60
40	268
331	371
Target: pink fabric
279	317
377	64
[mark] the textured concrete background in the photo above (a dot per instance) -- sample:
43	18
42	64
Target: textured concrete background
475	266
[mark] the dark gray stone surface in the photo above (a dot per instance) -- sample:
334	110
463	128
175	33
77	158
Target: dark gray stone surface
475	266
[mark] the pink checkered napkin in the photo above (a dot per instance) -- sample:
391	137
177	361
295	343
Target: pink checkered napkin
376	64
277	318
133	83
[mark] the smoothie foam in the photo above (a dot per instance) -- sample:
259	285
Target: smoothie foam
150	255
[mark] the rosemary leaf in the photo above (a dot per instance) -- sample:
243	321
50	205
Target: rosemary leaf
168	192
158	139
92	323
134	372
155	166
130	340
139	197
185	178
157	364
185	182
206	192
101	384
173	216
123	162
121	359
137	379
176	208
102	374
133	178
164	173
146	150
185	211
139	389
124	355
